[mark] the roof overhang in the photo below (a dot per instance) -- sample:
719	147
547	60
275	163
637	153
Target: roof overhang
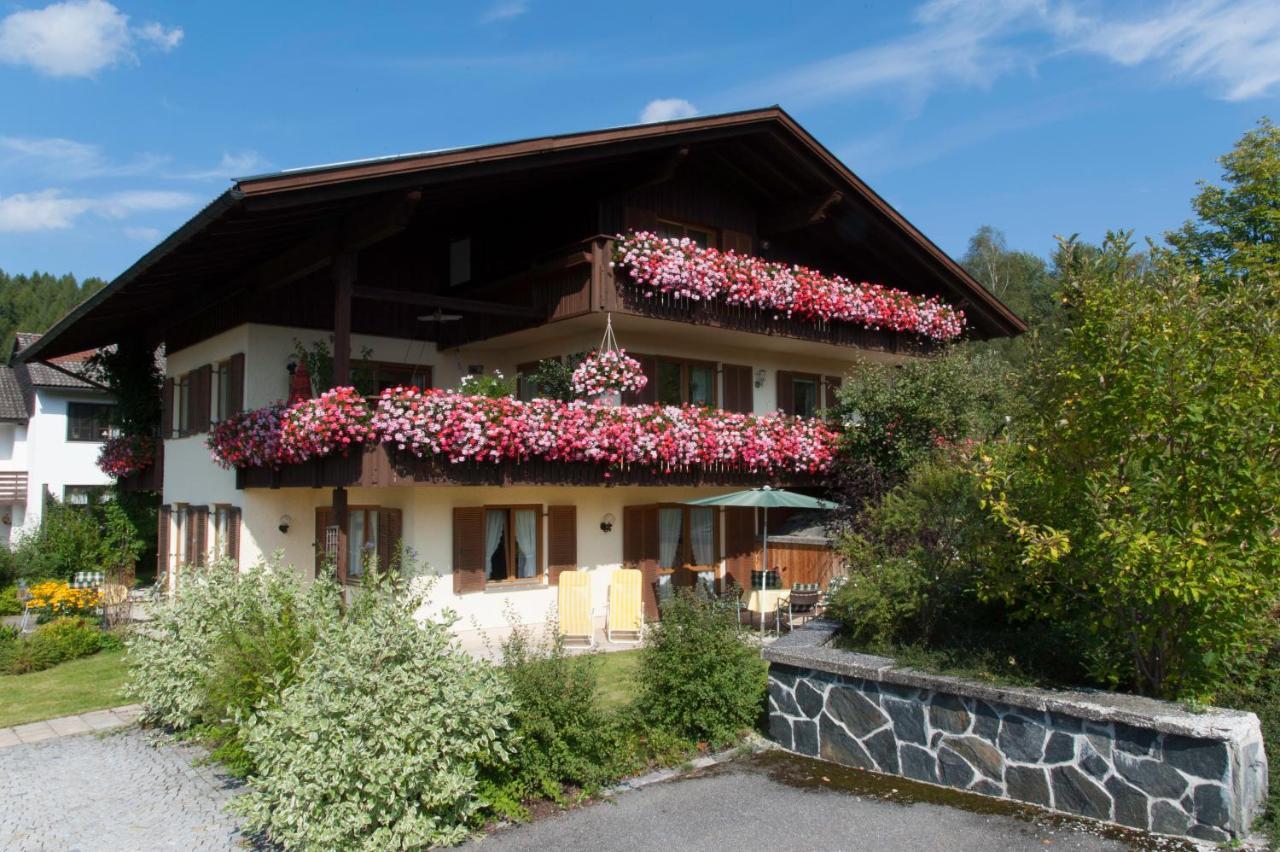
269	213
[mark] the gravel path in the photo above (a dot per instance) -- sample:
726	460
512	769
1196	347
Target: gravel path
130	790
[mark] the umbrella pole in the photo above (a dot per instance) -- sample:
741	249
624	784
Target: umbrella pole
764	575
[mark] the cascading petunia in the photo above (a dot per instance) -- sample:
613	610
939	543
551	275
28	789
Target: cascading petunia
124	455
683	269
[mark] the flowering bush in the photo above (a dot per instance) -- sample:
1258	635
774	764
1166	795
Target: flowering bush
329	423
682	268
55	598
251	439
123	455
464	428
601	372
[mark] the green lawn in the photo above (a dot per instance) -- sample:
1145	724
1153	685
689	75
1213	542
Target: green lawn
89	683
617	677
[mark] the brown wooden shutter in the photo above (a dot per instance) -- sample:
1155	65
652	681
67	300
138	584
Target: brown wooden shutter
830	385
389	535
738	391
198	524
640	550
166	409
203	382
235	385
163	521
324	520
647	395
562	540
233	535
468	550
740	543
786	392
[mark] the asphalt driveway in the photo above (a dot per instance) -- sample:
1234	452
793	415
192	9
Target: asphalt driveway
782	803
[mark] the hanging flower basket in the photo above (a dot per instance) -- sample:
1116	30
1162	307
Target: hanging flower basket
605	372
124	455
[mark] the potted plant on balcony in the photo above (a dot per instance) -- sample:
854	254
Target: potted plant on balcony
604	375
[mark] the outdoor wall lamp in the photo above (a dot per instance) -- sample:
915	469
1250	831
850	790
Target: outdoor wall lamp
285	523
606	523
760	378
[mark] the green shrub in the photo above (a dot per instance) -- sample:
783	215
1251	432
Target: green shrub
225	647
701	678
54	642
9	603
381	742
68	540
563	734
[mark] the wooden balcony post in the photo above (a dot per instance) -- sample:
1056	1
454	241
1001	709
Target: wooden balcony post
344	280
341	520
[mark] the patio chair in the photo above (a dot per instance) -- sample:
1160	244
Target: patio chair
116	604
625	619
574	608
87	580
800	605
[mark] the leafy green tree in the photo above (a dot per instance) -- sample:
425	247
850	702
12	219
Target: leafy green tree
1141	482
1237	232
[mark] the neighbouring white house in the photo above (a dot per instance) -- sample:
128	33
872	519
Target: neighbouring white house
52	425
741	264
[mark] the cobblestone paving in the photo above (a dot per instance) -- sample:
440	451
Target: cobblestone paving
130	790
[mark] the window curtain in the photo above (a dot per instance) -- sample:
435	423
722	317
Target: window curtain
670	522
702	532
495	524
526	543
355	544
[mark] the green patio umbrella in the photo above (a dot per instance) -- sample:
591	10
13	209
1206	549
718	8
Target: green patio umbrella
765	498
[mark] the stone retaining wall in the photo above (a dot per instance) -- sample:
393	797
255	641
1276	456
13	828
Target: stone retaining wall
1135	761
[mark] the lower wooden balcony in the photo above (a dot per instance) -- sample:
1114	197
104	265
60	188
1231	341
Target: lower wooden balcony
149	479
383	466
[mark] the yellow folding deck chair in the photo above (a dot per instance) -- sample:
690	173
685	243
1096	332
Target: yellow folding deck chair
575	607
626	606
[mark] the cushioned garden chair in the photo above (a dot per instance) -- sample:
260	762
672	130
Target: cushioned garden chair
626	606
574	608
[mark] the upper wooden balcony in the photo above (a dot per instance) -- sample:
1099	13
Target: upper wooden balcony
581	280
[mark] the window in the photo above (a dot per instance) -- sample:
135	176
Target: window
400	375
704	237
687	536
84	495
512	543
459	261
222	519
362	540
693	382
180	542
88	421
805	394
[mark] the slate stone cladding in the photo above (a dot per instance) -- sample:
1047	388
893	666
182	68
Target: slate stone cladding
1165	777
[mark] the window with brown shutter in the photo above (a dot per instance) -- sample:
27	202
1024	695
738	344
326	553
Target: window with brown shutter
235	386
197	534
649	393
562	540
166	409
739	393
162	541
830	388
681	381
325	543
373	533
389	540
468	549
740	543
799	393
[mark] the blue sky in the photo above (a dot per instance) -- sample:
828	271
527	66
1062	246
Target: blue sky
118	120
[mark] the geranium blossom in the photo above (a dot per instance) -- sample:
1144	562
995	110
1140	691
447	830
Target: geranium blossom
682	268
123	455
464	428
601	372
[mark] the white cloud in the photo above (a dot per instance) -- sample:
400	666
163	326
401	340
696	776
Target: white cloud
68	159
1234	44
667	109
232	165
77	38
52	209
143	234
504	10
